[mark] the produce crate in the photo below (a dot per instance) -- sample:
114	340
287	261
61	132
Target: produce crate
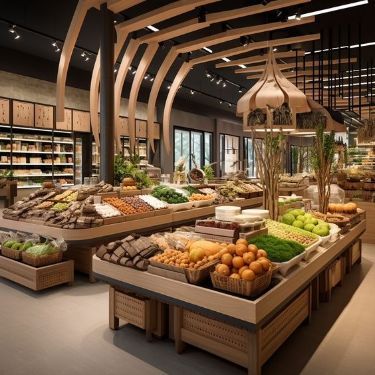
144	313
43	260
353	255
37	278
11	253
233	343
242	287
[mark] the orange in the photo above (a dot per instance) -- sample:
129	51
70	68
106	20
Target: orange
241	241
231	248
227	259
238	262
252	248
235	276
223	269
262	254
249	257
248	275
242	269
256	267
241	249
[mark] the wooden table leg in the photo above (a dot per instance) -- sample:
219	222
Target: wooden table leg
148	320
315	293
114	322
254	366
178	343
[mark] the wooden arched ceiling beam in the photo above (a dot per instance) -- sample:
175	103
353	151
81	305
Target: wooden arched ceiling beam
300	73
127	59
66	54
71	38
185	68
258	59
137	82
300	65
213	40
182	73
123	30
211	18
190	26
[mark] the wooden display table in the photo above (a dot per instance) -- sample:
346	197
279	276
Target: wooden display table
244	331
37	278
81	241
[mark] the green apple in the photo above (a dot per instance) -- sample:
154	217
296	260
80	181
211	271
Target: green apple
298	224
288	219
301	218
321	230
309	227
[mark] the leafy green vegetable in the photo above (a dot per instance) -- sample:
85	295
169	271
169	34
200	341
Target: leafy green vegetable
41	249
278	250
191	190
168	195
125	168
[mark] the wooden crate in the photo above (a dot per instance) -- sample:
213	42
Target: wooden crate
355	253
238	345
37	278
141	312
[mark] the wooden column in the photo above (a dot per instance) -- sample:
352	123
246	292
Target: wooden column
107	95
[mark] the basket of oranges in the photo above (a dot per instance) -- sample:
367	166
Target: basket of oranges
243	269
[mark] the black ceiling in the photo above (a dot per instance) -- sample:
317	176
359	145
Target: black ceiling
40	22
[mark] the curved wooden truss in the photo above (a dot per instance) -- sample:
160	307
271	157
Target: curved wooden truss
126	28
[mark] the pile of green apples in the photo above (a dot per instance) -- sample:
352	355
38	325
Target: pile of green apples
300	219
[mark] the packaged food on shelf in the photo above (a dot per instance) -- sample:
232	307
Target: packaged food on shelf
226	213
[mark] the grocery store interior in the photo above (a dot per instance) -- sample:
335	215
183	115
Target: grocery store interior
187	187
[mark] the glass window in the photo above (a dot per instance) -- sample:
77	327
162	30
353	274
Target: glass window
229	154
207	148
250	166
188	143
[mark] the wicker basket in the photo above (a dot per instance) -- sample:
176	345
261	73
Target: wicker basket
242	287
43	260
11	253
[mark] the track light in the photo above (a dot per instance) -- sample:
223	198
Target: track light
279	13
244	40
208	75
218	81
146	77
56	47
274	49
188	55
134	71
229	105
169	87
130	68
240	90
298	15
12	30
192	92
152	78
224	84
212	79
115	70
85	55
220	102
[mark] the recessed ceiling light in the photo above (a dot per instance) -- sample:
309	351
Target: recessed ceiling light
152	28
329	10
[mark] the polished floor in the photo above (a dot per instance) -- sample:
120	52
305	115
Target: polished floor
65	331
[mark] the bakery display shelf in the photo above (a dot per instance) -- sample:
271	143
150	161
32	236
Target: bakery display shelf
38	152
34	140
242	330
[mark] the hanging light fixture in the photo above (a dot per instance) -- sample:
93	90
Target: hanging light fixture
12	30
